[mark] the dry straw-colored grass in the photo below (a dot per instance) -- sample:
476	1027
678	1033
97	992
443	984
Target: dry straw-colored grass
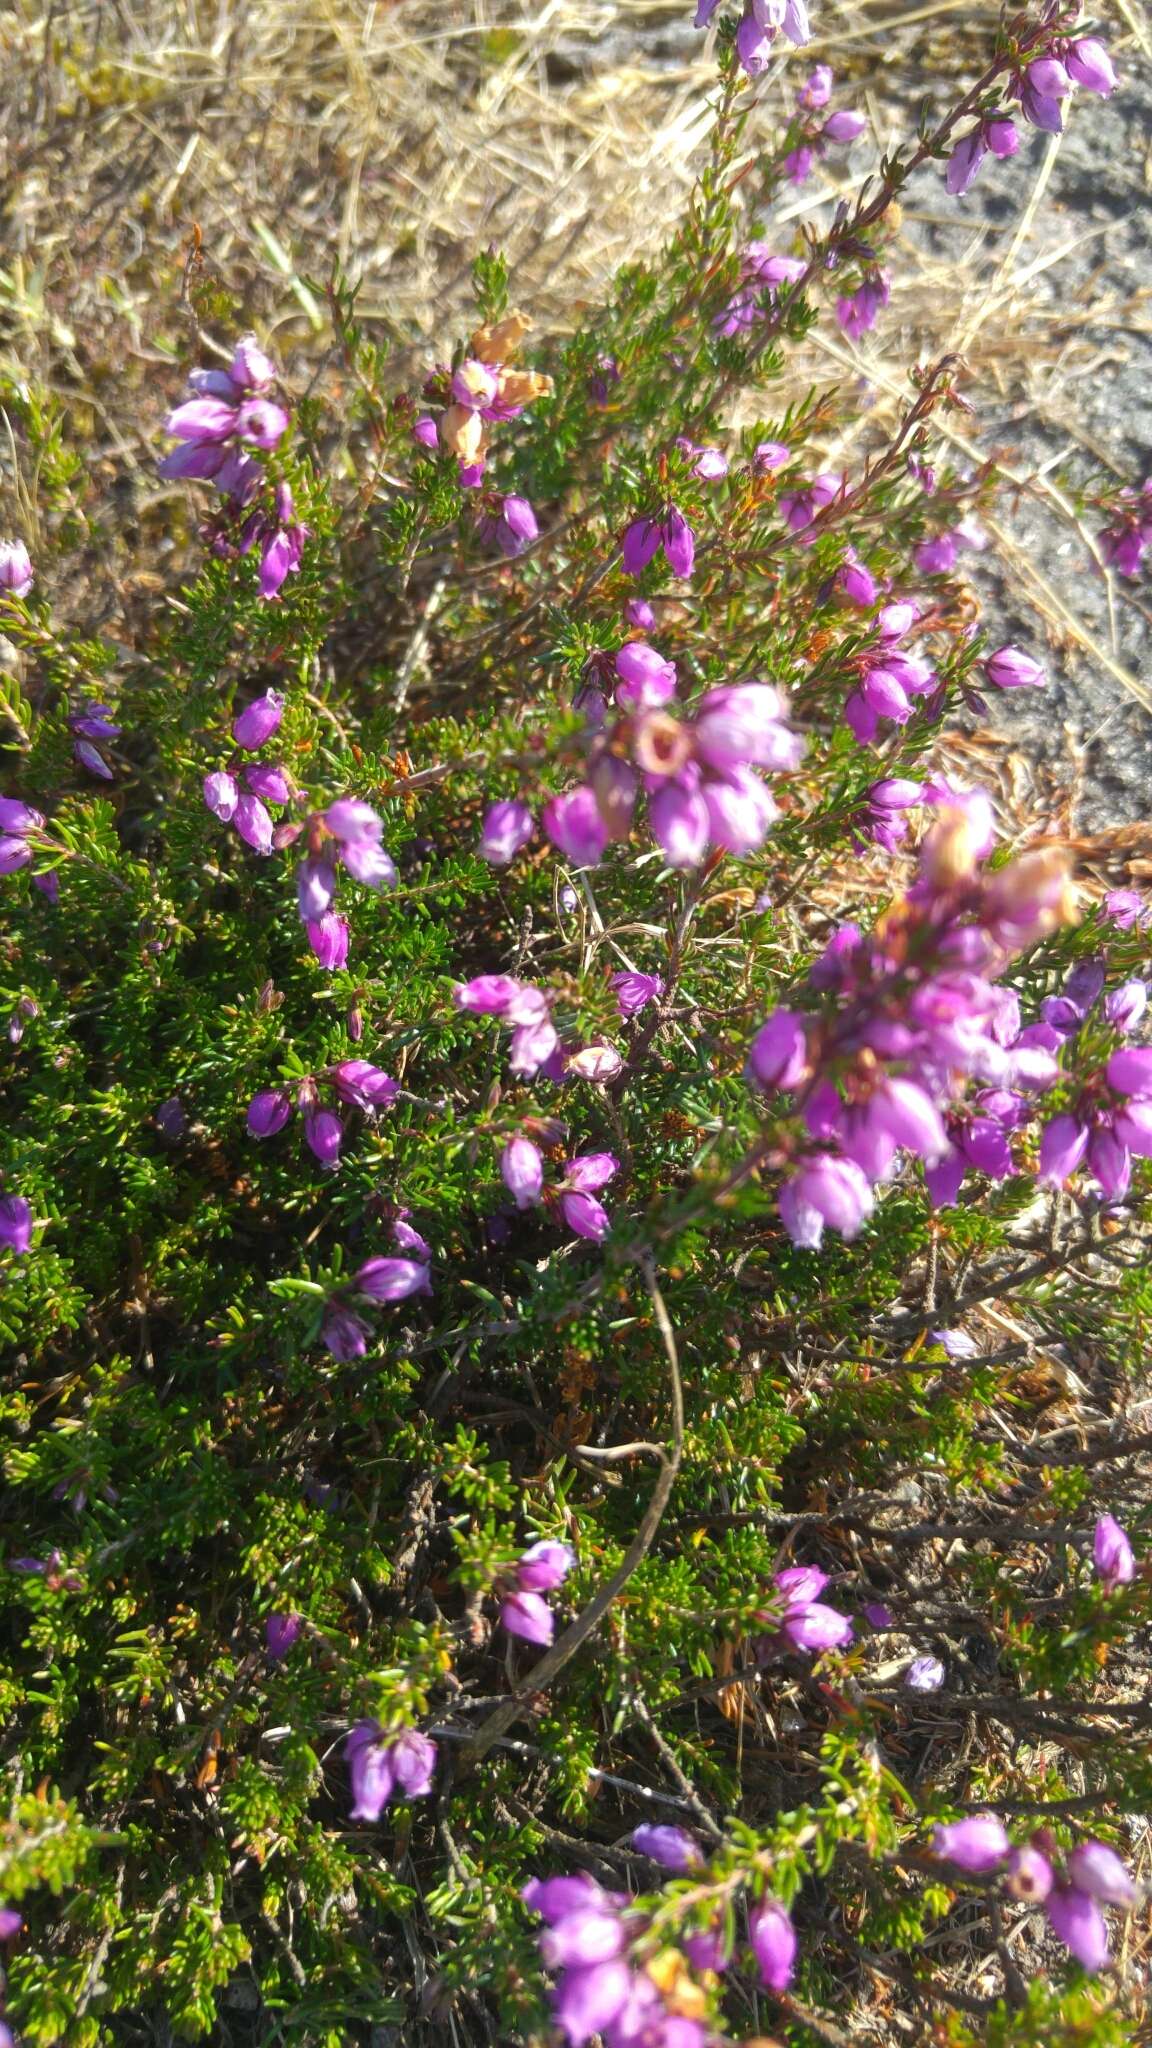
397	139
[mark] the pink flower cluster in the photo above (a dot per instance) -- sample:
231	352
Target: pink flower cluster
1109	1117
842	126
509	523
668	534
1040	86
611	1988
901	1020
349	833
263	783
762	276
536	1047
383	1281
223	431
522	1171
797	1619
857	311
93	722
760	24
481	391
354	1082
1072	1891
229	422
524	1611
889	677
697	771
386	1767
279	535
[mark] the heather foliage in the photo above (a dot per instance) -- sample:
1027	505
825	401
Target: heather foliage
572	1215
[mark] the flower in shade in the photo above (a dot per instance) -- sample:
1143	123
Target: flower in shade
1096	1869
409	1238
1029	1876
924	1674
635	991
10	1922
384	1767
544	1566
344	1333
388	1280
19	825
269	782
773	1939
257	723
15	1224
798	1619
1077	1920
522	1171
268	1112
366	1087
281	1632
512	527
527	1615
672	1848
507	827
1112	1554
328	938
16	573
171	1120
583	1176
645	538
977	1845
857	312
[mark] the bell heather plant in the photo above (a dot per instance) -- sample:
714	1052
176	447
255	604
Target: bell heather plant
621	1524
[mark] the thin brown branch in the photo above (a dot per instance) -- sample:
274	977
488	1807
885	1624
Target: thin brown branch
588	1620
